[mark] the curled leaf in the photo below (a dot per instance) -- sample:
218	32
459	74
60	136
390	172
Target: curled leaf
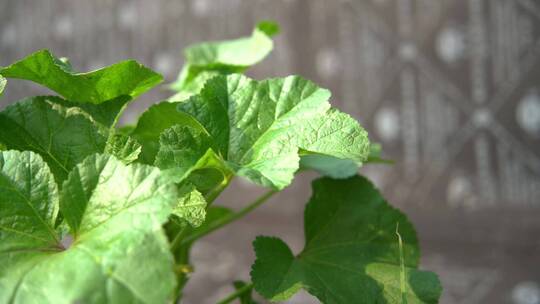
126	78
209	59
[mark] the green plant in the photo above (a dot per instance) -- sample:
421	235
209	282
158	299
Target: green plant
135	199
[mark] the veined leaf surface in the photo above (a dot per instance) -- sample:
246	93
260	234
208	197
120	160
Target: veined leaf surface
257	129
115	213
352	254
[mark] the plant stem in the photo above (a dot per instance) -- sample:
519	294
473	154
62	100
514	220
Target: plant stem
239	292
229	219
214	193
178	239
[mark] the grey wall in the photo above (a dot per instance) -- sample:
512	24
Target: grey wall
450	88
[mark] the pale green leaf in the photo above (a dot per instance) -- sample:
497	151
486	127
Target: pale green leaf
352	254
62	135
103	188
339	168
209	59
329	166
115	213
191	207
127	78
258	128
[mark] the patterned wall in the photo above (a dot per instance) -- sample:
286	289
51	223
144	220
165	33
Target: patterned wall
451	88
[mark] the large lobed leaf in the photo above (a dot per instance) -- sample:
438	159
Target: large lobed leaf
257	129
209	59
124	79
352	253
115	213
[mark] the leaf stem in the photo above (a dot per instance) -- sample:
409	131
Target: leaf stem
229	219
176	242
238	293
211	196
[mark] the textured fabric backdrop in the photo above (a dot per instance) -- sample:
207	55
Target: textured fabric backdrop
450	88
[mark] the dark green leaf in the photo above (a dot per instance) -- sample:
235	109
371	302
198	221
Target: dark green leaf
126	78
352	254
153	122
62	135
106	113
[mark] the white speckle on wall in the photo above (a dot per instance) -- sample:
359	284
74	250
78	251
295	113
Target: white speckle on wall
450	45
526	292
387	124
63	27
164	64
528	113
482	118
127	17
201	8
9	35
328	63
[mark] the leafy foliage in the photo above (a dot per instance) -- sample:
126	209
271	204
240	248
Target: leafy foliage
123	147
206	60
351	253
134	199
127	78
114	213
266	125
63	136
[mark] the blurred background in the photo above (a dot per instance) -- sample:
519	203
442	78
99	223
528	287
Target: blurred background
451	88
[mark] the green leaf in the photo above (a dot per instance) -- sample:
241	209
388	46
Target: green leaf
28	202
153	122
352	254
184	150
102	186
375	157
266	124
126	78
191	207
209	59
123	147
329	166
115	213
62	135
106	113
3	83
